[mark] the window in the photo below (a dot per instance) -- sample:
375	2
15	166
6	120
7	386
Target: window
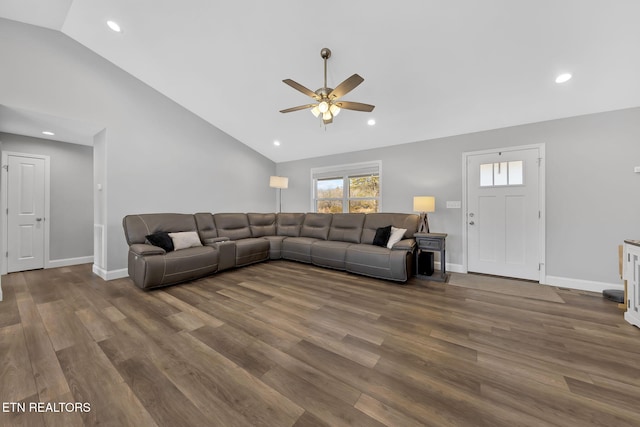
501	174
347	188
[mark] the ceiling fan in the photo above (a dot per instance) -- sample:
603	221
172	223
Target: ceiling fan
327	105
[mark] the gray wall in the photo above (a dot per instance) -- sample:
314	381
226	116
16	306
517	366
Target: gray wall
158	157
592	201
71	198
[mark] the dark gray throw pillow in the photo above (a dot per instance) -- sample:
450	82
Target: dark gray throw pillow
161	239
382	236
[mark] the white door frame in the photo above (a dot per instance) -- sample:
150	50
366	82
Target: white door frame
542	227
4	189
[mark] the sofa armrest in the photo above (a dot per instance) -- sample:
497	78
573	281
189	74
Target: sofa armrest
145	249
405	245
213	240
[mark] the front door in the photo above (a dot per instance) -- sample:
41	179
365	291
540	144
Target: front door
503	213
25	213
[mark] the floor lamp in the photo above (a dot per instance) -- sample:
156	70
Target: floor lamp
279	182
424	204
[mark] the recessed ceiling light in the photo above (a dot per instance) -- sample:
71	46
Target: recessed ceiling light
48	132
276	143
371	122
563	78
114	26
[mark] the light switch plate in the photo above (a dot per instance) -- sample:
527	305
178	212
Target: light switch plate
636	169
455	204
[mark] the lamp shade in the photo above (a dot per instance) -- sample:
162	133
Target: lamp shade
424	204
278	182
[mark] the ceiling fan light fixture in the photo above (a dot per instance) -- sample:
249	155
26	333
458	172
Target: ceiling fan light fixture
326	97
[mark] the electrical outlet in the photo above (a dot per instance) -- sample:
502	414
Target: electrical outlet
456	204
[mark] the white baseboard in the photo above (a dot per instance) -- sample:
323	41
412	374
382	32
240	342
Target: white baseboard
583	285
451	268
110	275
55	263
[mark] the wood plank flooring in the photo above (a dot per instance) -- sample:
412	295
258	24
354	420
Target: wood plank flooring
288	344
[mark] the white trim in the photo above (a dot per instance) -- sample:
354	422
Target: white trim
541	203
451	268
110	275
65	262
584	285
345	169
4	243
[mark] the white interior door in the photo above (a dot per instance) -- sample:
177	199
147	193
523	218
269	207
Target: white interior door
25	213
503	213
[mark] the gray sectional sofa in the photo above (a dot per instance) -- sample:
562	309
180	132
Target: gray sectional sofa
342	241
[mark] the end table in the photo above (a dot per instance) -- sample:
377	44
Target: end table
431	243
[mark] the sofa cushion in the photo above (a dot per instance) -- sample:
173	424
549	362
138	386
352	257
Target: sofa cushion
185	239
289	224
316	225
397	234
373	221
232	225
346	227
137	227
174	267
251	250
262	224
275	246
375	261
382	236
161	239
298	248
205	225
329	253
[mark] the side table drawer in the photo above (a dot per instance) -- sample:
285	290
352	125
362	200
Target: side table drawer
430	244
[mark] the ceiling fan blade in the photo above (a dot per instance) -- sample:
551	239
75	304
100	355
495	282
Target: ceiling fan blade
297	86
299	107
357	106
346	87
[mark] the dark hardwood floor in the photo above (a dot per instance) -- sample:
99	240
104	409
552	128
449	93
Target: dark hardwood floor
287	344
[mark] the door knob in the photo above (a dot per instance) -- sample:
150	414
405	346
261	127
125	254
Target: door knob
38	219
471	223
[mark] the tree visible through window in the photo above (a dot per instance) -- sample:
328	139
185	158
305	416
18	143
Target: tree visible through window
348	194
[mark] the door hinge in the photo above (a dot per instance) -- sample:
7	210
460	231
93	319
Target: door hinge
6	255
539	161
539	214
5	167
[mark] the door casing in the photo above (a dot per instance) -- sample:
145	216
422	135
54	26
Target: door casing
4	206
542	203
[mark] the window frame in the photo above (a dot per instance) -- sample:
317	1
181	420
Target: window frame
345	172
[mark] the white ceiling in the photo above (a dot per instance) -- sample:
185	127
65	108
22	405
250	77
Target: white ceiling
432	68
32	123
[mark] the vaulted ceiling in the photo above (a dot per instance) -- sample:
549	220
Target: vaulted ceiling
432	68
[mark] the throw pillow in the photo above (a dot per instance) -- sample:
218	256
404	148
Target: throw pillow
382	236
185	239
396	235
161	239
